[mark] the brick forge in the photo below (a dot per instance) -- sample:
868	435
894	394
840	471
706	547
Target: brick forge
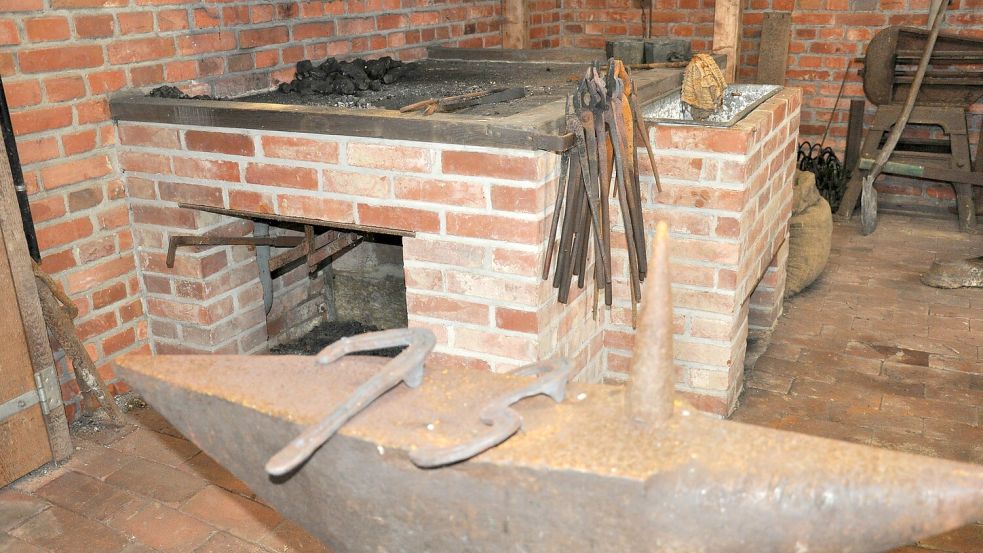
473	265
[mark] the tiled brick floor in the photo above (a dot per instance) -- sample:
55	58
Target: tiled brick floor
138	490
869	355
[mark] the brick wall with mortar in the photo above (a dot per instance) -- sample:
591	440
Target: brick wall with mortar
471	270
60	59
590	23
727	197
473	267
826	36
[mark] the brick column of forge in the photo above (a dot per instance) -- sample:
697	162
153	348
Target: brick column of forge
727	198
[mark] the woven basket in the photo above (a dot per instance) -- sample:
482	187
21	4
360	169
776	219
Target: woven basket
703	86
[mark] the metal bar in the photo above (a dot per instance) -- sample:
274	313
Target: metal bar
854	134
298	220
553	375
561	187
13	406
174	242
17	174
926	172
406	367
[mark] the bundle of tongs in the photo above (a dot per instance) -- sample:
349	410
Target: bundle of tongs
605	123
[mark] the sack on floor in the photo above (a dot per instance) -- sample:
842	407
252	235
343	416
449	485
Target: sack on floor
809	237
804	192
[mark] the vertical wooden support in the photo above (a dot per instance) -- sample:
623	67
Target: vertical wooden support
727	34
27	312
854	135
515	30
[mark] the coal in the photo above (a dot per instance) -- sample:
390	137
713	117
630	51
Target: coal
327	333
345	78
174	93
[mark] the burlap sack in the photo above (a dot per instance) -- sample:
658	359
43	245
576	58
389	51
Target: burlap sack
804	192
810	234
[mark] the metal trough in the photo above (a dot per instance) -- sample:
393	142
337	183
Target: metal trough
739	100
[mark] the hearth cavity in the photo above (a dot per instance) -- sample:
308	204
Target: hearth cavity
362	290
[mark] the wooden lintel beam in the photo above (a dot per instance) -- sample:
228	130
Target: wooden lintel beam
727	34
515	28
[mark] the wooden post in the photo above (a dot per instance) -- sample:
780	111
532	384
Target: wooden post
727	34
515	29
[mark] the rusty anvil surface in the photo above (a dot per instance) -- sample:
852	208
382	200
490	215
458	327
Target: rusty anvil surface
578	478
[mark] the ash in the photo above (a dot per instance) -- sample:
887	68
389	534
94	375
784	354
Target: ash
326	334
738	98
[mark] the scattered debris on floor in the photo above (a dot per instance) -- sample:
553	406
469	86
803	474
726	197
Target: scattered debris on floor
326	334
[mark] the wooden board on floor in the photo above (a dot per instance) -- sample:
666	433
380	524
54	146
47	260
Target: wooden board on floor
776	31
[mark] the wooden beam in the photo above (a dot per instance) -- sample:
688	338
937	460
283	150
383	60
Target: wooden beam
727	34
515	29
773	50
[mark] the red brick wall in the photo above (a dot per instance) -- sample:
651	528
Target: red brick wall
826	36
590	23
60	59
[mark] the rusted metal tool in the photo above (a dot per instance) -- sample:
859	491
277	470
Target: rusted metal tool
406	367
580	476
176	241
462	101
552	377
604	127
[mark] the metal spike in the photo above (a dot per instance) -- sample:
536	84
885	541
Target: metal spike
653	377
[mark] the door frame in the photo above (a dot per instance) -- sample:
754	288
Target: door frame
47	390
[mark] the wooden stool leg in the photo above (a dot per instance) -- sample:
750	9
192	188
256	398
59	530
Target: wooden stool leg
965	203
852	194
883	121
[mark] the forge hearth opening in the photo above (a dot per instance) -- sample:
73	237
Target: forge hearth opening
360	289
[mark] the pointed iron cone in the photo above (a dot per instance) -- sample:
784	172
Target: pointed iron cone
653	378
577	476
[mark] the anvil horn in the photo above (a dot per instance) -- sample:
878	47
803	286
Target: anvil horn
579	477
650	391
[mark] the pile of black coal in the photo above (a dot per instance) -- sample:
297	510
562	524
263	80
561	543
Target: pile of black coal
346	77
175	93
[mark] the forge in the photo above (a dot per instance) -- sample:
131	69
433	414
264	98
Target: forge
466	197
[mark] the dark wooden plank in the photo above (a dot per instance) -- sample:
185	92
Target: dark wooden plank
298	220
854	134
776	31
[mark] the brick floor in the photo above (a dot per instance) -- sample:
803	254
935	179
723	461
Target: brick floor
869	355
141	489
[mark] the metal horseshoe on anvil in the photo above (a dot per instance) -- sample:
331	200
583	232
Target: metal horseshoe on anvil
608	469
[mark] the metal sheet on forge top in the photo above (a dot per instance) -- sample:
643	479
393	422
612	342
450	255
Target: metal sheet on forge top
739	100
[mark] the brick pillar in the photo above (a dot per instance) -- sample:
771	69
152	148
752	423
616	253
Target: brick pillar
767	299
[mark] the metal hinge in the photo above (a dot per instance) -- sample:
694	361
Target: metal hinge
47	393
